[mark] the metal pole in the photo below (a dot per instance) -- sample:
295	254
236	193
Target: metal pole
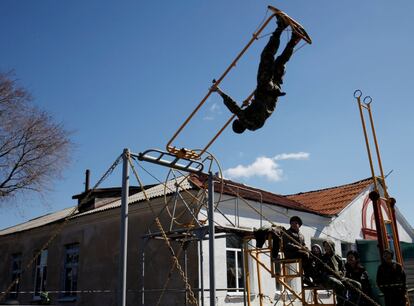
232	65
123	247
211	236
390	207
186	276
244	274
367	143
247	270
374	135
259	280
202	271
144	244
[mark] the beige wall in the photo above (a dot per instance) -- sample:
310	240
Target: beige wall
98	238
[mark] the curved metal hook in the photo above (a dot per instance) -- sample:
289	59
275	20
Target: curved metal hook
367	100
357	93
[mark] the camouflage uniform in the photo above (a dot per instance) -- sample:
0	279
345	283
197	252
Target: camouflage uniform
330	279
269	79
391	280
358	275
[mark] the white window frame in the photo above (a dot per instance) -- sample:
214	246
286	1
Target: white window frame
238	266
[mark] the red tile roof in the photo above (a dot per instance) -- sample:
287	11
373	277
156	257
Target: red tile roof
331	201
250	193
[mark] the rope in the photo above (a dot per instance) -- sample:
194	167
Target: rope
262	22
59	229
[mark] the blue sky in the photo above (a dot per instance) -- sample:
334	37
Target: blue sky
126	74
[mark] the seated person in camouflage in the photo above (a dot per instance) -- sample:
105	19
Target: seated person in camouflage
334	275
391	280
315	264
269	80
294	246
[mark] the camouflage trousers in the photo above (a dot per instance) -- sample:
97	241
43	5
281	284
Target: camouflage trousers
341	287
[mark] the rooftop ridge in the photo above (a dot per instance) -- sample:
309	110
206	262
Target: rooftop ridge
330	188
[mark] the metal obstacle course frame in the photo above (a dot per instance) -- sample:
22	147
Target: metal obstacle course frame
192	154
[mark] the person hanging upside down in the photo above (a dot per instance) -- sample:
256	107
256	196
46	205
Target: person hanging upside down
269	80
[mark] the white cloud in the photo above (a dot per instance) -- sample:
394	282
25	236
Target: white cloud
263	166
296	156
213	110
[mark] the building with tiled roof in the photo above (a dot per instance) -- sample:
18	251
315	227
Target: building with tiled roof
331	201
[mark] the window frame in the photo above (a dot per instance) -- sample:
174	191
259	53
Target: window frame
15	274
68	267
348	247
238	265
40	267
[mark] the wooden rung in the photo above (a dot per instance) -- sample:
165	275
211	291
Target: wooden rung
296	26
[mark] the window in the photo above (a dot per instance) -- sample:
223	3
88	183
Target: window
40	273
234	256
16	272
70	281
346	247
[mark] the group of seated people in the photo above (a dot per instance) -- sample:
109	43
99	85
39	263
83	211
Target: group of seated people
324	268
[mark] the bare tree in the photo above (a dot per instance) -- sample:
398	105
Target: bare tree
34	149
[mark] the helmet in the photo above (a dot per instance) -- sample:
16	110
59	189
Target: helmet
238	126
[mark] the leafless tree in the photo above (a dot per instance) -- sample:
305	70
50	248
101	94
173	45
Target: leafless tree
34	149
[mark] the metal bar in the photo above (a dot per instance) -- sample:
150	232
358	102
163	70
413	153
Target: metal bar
377	150
143	271
236	211
380	226
389	208
233	64
223	128
260	263
202	271
259	279
186	275
302	293
217	135
367	143
250	190
247	270
378	222
244	277
123	256
189	210
396	235
211	234
279	278
144	156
